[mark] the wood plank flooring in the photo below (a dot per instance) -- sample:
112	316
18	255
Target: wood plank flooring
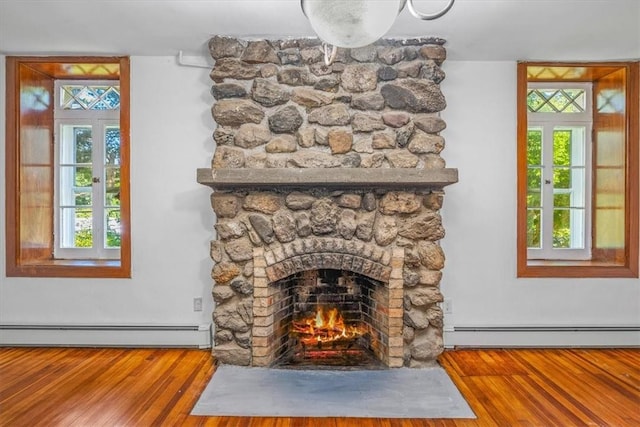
158	387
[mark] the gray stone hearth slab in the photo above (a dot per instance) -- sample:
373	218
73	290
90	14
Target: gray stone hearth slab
392	393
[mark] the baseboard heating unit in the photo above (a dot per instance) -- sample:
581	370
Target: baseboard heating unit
196	336
542	336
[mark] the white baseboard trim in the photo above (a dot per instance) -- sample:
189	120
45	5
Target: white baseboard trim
193	336
542	336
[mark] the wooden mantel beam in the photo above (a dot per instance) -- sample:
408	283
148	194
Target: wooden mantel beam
329	178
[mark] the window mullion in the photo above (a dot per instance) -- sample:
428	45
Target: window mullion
547	190
98	188
588	188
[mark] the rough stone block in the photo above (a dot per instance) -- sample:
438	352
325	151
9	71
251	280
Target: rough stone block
224	272
223	47
340	141
259	52
235	112
416	96
359	78
232	354
330	115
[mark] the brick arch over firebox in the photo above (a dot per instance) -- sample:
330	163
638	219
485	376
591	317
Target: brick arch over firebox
327	253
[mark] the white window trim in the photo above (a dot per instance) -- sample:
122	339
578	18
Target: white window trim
98	120
550	122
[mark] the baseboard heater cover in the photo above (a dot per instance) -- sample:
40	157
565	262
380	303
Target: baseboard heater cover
542	336
197	336
545	328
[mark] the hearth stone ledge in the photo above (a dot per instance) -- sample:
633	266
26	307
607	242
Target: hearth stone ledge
352	178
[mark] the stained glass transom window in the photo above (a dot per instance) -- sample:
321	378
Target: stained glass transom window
556	73
93	70
610	101
556	100
89	97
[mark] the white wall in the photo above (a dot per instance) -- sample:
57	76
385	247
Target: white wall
480	220
172	221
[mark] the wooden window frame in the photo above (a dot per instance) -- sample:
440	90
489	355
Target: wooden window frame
590	268
21	261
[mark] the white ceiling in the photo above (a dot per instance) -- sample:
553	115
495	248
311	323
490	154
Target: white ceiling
474	29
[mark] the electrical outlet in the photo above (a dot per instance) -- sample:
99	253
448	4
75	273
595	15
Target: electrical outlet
447	306
197	304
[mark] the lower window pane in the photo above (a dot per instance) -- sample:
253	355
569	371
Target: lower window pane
562	178
534	199
568	228
533	228
561	228
562	200
112	198
83	197
113	228
76	228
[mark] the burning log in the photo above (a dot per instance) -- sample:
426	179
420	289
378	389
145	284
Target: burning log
325	327
303	328
334	346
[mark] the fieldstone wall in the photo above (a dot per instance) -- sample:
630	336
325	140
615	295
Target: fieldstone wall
277	105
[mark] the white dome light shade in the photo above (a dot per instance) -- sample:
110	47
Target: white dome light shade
351	23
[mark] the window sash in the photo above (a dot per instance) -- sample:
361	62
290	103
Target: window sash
549	123
548	191
98	121
98	190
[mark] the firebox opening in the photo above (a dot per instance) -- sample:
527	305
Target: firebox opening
331	318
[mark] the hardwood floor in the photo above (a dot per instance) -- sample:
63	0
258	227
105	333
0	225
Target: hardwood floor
157	387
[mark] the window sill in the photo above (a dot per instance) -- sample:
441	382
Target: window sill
78	268
571	263
575	269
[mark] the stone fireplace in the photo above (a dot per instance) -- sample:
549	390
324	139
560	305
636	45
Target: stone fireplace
328	181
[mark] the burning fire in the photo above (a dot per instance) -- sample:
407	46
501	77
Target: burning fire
325	326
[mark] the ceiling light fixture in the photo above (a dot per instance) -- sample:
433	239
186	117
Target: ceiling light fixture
357	23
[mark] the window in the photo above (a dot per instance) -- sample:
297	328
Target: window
578	170
558	169
67	167
87	149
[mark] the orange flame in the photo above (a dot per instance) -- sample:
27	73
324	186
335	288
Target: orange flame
325	326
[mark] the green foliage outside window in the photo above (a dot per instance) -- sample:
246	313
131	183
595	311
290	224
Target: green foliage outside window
561	184
113	228
83	174
84	235
83	238
562	180
534	188
83	181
